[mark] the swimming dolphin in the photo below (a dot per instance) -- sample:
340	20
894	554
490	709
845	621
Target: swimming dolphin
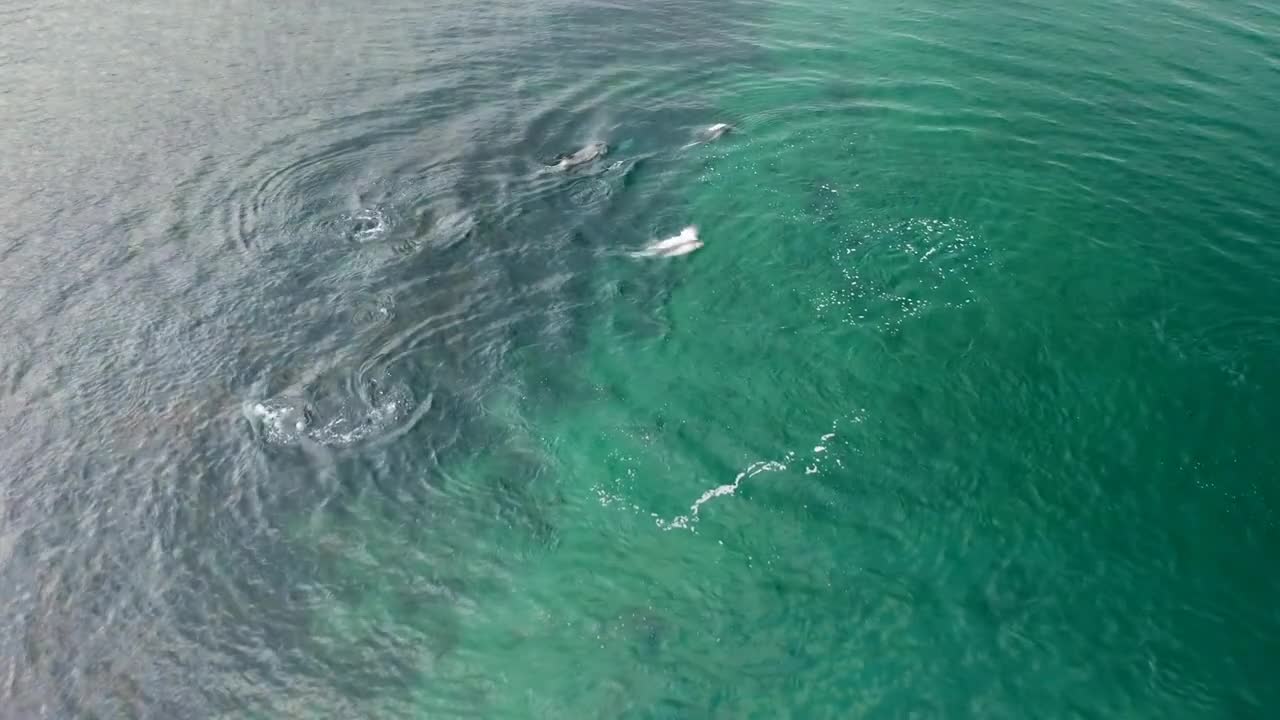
711	133
717	131
683	244
590	153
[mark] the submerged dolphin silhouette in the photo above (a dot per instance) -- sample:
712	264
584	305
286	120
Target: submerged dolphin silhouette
590	153
711	133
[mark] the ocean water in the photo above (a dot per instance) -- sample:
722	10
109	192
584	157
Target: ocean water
322	396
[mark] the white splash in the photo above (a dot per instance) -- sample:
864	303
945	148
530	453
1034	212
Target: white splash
368	224
285	421
686	522
343	431
815	463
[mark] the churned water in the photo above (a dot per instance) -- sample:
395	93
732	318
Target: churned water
322	396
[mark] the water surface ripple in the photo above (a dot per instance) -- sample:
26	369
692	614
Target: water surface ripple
325	397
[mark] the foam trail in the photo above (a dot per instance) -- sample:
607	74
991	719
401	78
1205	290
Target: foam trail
686	522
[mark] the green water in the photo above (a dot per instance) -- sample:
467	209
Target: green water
963	411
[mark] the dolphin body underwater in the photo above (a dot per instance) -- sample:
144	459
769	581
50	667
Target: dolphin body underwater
588	154
710	134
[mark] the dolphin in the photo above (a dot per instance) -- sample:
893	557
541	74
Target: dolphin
711	133
683	244
717	131
590	153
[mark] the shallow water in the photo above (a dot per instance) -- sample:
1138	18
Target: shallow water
324	398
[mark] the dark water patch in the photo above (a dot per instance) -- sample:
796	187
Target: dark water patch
306	318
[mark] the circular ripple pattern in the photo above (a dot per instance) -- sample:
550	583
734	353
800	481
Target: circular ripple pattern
310	245
324	397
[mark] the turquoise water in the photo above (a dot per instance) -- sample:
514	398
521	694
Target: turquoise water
324	398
